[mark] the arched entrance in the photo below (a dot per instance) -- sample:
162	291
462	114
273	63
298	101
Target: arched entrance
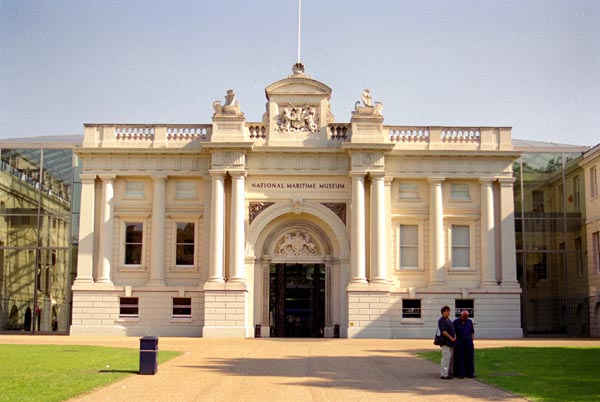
300	272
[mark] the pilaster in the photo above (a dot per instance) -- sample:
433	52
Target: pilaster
378	241
357	234
507	229
488	234
237	231
85	259
159	201
217	221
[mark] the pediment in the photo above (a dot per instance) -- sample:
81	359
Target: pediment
297	86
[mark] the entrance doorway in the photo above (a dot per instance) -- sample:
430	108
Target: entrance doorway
297	300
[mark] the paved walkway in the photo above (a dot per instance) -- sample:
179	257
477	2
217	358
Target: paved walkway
281	370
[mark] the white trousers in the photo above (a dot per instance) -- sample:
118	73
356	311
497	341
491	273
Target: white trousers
446	359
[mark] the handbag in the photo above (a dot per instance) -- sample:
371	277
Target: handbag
438	339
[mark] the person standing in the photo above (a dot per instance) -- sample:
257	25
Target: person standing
464	351
446	329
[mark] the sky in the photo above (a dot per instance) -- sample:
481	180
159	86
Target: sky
533	65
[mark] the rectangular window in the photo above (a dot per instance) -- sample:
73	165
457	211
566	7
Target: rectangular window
129	307
409	246
576	198
561	198
182	307
579	255
409	191
540	269
134	234
593	182
134	189
596	247
538	200
464	304
185	189
461	246
459	192
185	243
411	308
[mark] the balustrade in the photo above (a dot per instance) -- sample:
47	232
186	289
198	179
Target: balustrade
188	132
409	134
339	131
460	134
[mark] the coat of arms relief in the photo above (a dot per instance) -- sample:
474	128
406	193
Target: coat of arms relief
296	242
298	119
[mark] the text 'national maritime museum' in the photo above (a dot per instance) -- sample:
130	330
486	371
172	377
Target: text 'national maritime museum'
295	226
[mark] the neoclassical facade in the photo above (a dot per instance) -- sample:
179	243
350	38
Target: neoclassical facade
296	226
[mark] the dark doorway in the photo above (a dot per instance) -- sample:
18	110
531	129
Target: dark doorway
297	300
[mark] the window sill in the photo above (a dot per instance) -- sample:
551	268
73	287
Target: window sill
128	319
412	321
180	320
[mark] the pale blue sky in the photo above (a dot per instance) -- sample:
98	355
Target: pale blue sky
532	65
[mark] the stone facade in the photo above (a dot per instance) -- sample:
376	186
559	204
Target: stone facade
185	228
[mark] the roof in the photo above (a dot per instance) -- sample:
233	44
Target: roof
49	141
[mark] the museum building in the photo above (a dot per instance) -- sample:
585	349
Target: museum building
295	226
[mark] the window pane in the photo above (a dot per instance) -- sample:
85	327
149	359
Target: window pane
134	233
185	233
409	191
461	250
134	189
133	254
459	191
409	235
185	255
409	257
460	235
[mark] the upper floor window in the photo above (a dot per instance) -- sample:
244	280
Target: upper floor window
593	182
461	246
596	248
134	236
459	192
576	197
185	243
408	191
409	246
538	200
134	189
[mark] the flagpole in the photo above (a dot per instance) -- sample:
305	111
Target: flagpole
299	21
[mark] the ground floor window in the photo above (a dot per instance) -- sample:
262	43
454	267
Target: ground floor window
464	304
411	308
182	307
129	307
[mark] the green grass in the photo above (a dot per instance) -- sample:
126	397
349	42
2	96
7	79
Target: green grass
57	373
540	374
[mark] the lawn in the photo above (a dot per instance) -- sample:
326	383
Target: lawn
539	374
57	372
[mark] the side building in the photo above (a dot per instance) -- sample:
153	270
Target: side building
295	226
36	209
590	163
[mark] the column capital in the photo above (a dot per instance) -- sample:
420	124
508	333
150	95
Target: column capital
106	177
506	181
238	173
487	180
436	180
217	172
357	175
159	176
377	175
87	177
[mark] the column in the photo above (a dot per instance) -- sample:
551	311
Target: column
159	209
436	228
106	229
378	266
215	257
357	236
507	229
488	236
85	259
238	243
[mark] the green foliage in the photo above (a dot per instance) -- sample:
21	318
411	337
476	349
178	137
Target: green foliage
539	374
57	372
